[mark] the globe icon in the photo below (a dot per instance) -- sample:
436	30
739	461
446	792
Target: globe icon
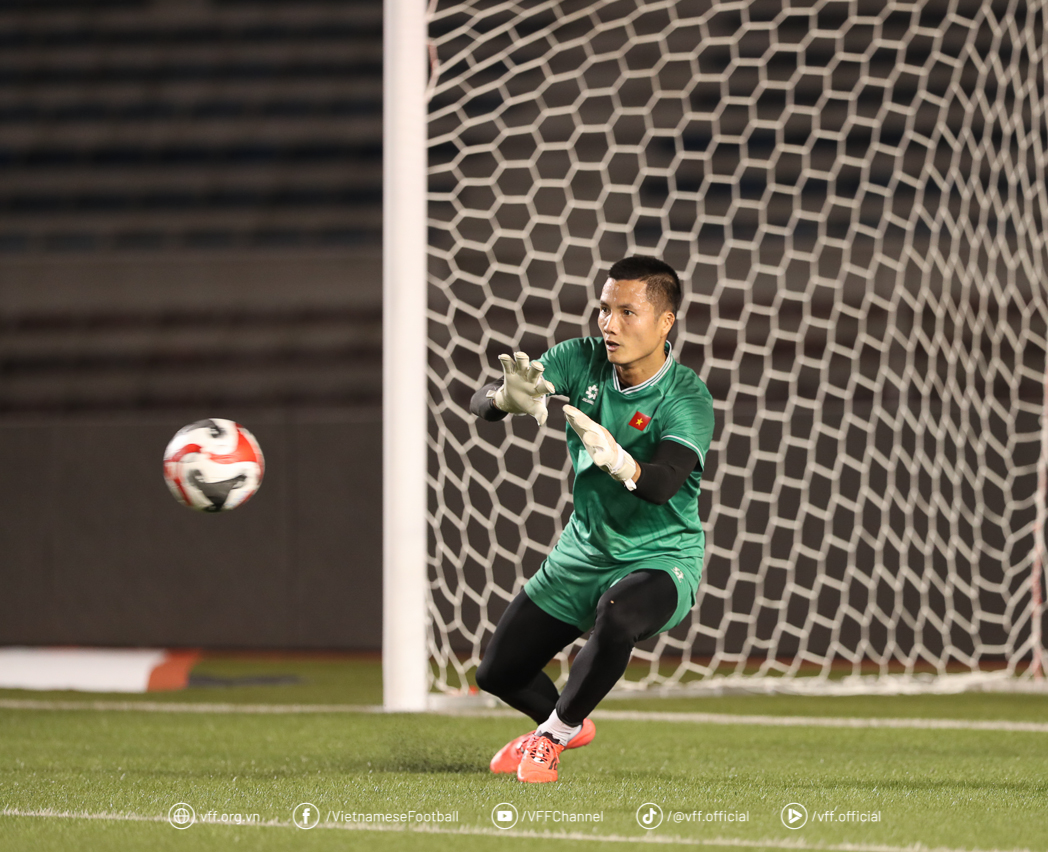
181	815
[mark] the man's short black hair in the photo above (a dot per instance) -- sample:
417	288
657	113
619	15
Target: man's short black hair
663	285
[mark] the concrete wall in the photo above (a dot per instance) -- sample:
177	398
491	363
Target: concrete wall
94	550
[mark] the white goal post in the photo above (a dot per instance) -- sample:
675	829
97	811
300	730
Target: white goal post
854	194
405	681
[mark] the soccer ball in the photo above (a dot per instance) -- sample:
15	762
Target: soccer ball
213	465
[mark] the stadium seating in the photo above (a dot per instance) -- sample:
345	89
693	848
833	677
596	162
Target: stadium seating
190	204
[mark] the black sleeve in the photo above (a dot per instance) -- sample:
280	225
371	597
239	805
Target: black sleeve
483	406
663	476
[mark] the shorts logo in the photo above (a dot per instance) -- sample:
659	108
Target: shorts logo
679	573
639	421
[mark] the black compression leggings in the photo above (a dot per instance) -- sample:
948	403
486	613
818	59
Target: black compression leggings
527	638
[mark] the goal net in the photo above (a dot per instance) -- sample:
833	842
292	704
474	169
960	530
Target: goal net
854	196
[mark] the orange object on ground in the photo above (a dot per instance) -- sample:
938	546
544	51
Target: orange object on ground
541	758
507	758
173	672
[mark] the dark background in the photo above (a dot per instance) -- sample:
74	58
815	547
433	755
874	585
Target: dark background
190	226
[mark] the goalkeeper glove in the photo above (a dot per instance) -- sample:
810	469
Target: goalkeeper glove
603	449
523	390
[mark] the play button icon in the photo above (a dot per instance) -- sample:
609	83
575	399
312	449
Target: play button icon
794	815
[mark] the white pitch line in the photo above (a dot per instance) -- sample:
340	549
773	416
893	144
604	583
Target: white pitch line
609	715
796	845
820	721
186	707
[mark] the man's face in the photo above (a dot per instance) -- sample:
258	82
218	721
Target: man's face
632	327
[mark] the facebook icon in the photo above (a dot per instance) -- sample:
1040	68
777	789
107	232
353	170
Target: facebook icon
306	815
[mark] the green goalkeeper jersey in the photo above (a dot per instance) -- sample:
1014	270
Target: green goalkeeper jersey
611	525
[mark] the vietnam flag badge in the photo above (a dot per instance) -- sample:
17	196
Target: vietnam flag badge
640	421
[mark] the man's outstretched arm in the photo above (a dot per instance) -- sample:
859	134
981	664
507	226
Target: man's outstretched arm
523	390
483	403
655	481
670	466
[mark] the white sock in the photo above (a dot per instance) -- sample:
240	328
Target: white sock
560	731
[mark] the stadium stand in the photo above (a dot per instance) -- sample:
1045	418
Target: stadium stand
190	204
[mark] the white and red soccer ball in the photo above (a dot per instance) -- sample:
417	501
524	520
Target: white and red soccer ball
213	465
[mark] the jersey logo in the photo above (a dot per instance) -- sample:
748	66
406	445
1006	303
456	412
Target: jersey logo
639	421
591	394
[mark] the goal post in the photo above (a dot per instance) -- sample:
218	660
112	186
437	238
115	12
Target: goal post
405	671
854	195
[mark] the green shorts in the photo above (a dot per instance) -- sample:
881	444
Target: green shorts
568	588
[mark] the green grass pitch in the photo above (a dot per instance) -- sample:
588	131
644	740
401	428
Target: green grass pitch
106	779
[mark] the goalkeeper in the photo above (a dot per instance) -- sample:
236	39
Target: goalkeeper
627	565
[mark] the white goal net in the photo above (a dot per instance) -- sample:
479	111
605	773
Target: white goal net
854	196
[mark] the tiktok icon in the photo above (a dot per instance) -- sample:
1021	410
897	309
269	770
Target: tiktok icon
649	816
306	815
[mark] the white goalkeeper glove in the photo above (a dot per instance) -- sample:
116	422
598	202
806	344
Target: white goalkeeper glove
523	390
603	449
